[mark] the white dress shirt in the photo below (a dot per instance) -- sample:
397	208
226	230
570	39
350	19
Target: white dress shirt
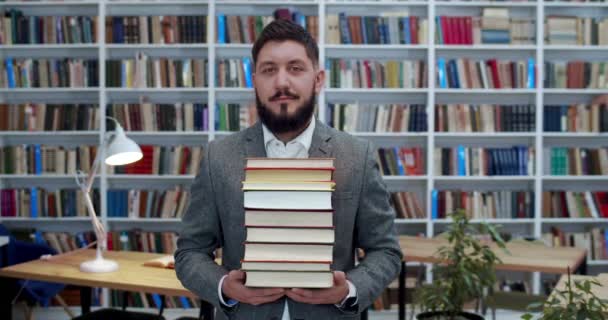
296	148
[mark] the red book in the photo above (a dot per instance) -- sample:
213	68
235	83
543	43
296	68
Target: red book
368	74
602	203
445	30
468	23
414	30
495	78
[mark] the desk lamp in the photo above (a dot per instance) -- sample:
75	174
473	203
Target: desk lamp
120	150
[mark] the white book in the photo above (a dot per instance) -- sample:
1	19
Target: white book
311	200
290	235
284	266
289	279
280	218
288	252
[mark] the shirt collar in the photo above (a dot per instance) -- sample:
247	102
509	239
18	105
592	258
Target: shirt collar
305	138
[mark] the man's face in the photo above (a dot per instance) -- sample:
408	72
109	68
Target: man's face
286	83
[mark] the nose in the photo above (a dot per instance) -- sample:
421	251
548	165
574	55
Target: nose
282	79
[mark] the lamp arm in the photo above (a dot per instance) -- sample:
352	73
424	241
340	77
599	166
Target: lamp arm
85	187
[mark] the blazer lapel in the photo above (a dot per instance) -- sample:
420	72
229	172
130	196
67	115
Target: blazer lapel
321	142
254	142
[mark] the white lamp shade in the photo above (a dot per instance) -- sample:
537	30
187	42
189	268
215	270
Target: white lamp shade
122	150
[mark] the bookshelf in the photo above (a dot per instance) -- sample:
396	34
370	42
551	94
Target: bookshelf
428	51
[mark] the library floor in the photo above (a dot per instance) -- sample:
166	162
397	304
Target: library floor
55	313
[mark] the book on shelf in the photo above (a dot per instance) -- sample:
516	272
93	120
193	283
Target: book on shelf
397	27
161	117
289	222
48	73
234	116
574	204
247	28
401	161
576	161
45	203
474	161
49	117
17	28
234	73
576	118
407	205
494	26
22	159
355	117
497	204
484	118
172	160
576	74
147	203
156	29
157	72
367	73
572	30
465	73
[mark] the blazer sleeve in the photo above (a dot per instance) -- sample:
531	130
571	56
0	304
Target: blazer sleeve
200	235
375	234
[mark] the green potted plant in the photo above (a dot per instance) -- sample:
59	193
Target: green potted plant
469	268
576	301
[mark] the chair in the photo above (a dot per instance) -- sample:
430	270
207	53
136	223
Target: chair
31	291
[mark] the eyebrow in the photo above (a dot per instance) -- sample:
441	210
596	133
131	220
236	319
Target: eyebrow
264	63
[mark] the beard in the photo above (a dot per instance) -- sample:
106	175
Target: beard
283	122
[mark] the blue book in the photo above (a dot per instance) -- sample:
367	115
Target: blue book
185	302
531	74
221	28
364	29
34	191
441	72
461	153
157	301
434	204
10	73
344	32
299	18
400	167
247	69
407	32
453	70
81	240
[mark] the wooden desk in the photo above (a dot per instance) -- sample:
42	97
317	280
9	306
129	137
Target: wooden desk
522	256
131	275
600	292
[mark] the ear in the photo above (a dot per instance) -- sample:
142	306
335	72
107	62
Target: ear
319	81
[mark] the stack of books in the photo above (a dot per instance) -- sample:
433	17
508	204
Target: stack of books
289	221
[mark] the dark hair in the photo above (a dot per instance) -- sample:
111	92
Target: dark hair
282	30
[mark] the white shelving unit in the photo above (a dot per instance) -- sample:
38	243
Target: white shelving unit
212	51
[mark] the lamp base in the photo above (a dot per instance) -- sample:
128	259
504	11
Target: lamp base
99	265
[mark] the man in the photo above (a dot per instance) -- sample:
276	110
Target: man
286	80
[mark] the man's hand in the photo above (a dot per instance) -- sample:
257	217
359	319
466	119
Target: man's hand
601	100
333	295
234	288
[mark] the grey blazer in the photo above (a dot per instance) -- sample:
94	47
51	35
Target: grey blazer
215	218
